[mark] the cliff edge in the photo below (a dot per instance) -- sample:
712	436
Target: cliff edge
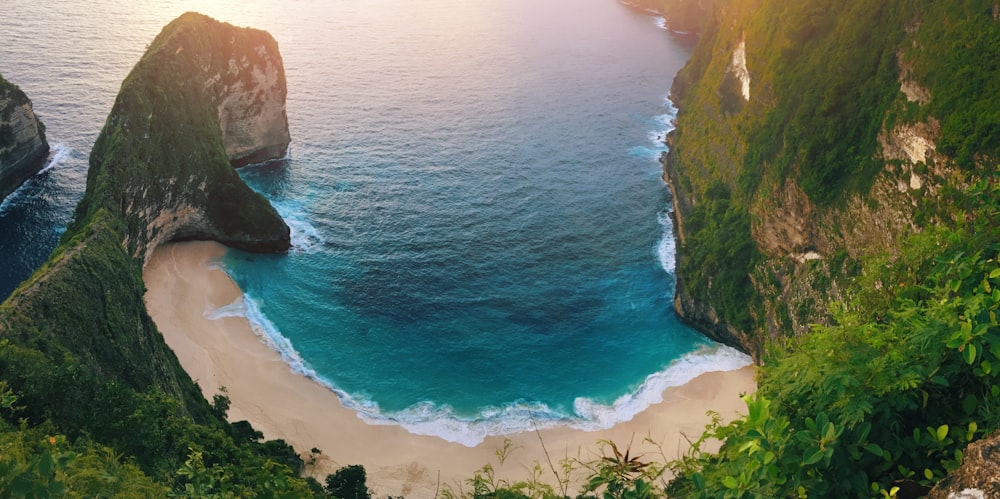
76	338
814	138
23	147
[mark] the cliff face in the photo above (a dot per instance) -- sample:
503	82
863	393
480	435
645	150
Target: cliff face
252	108
23	147
211	101
76	336
813	137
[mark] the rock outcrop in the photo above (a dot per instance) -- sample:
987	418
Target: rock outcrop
978	477
23	147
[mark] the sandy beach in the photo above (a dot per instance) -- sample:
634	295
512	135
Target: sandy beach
283	404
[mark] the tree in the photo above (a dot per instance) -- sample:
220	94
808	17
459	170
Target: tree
348	483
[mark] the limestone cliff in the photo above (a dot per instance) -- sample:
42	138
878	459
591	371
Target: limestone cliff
206	102
812	137
77	338
23	147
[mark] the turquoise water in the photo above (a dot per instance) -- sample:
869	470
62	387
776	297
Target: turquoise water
482	239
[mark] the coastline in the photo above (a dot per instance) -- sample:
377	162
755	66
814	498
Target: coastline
181	288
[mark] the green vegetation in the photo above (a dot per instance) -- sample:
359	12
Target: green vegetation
889	392
825	85
906	373
165	97
720	250
103	406
822	80
833	64
348	482
903	375
955	58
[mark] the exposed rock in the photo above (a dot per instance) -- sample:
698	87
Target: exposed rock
914	92
912	143
23	147
252	105
807	248
705	318
738	68
977	477
787	226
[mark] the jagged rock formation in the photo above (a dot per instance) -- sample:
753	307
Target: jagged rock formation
23	147
76	336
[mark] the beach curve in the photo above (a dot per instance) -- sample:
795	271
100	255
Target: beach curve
183	286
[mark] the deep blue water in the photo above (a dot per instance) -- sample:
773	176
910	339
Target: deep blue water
482	240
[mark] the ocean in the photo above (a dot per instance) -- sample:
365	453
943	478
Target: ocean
482	239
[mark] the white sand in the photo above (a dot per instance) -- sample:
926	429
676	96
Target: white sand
283	404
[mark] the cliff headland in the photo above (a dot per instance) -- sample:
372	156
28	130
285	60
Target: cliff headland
78	348
23	147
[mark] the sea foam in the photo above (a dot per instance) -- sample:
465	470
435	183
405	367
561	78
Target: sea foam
666	249
57	154
245	306
306	238
440	420
588	415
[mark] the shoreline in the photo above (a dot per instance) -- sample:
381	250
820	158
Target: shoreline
280	403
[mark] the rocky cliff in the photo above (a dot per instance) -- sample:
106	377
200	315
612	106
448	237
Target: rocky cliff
77	340
835	181
23	147
812	138
207	102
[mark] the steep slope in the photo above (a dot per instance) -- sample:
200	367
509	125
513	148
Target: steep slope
815	135
77	345
22	138
835	184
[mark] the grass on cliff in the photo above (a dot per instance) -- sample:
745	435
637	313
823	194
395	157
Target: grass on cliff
893	391
77	348
825	80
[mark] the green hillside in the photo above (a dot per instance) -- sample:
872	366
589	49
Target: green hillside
836	195
93	401
839	224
